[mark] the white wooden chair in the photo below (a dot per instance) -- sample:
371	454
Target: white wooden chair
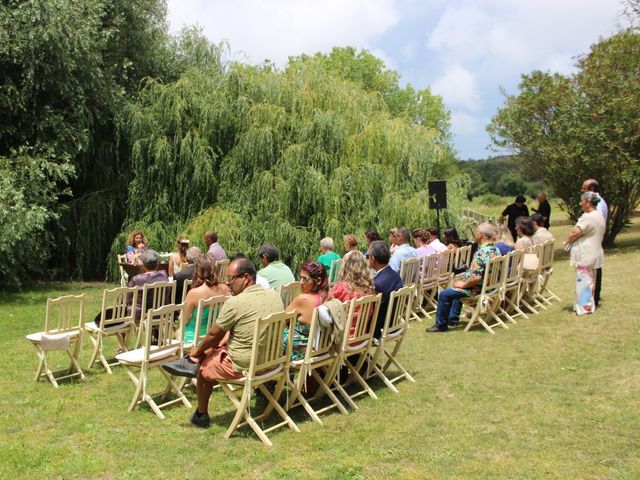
513	285
410	275
156	350
154	296
334	270
63	324
269	363
221	266
124	277
207	314
462	258
186	286
546	269
359	344
532	282
288	292
486	303
446	262
321	362
114	322
427	291
393	333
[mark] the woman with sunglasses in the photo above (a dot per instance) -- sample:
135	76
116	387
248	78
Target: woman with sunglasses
314	287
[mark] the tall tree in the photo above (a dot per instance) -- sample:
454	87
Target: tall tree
582	126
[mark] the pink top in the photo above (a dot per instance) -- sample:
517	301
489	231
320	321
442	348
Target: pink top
343	292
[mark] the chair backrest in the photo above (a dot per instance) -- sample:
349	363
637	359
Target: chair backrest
334	270
213	306
445	264
288	292
267	352
64	314
221	266
364	312
410	271
463	256
514	263
429	270
494	275
186	286
114	306
156	295
398	311
547	255
160	330
320	340
123	275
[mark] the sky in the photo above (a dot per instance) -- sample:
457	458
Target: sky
463	50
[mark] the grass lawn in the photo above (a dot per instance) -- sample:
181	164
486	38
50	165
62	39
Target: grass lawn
552	397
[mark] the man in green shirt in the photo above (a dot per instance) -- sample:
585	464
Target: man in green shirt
327	254
276	272
219	356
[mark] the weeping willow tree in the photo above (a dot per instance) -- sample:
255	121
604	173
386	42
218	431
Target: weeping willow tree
285	156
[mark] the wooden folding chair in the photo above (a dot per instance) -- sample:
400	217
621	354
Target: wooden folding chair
154	296
427	288
462	258
395	328
159	347
510	306
532	283
63	324
124	277
206	314
410	275
221	266
269	363
445	268
114	322
546	269
288	292
334	271
485	304
186	286
359	344
321	362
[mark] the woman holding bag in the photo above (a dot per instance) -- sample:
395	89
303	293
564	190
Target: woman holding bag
585	246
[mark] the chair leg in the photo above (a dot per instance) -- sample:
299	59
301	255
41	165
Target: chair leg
140	384
40	364
97	343
355	372
296	394
273	403
172	385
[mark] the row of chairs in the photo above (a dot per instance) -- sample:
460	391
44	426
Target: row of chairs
507	287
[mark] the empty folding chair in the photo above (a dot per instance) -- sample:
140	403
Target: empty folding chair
393	334
546	269
410	275
63	324
484	305
427	291
513	286
159	346
154	296
114	322
288	292
269	363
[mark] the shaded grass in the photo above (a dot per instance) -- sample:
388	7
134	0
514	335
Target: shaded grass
553	397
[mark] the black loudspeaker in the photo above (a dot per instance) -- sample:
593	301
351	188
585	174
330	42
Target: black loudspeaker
437	194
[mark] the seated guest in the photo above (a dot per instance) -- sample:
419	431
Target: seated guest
350	244
432	241
420	238
179	258
206	284
449	304
504	240
276	272
186	272
214	248
327	255
136	246
371	235
393	240
524	229
225	352
314	288
403	251
260	280
541	234
452	239
150	274
385	281
354	281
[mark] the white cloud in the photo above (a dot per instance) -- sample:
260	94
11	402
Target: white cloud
464	124
459	88
277	29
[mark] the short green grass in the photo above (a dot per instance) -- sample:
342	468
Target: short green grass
553	397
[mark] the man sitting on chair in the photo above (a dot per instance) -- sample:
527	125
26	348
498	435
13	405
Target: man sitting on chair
449	304
150	274
225	352
404	251
276	272
385	281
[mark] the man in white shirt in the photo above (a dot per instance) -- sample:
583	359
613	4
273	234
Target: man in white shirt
540	234
591	185
404	249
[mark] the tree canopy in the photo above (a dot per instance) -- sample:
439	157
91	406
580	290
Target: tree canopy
570	128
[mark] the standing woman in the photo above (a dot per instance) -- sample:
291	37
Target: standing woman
178	258
314	288
585	246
